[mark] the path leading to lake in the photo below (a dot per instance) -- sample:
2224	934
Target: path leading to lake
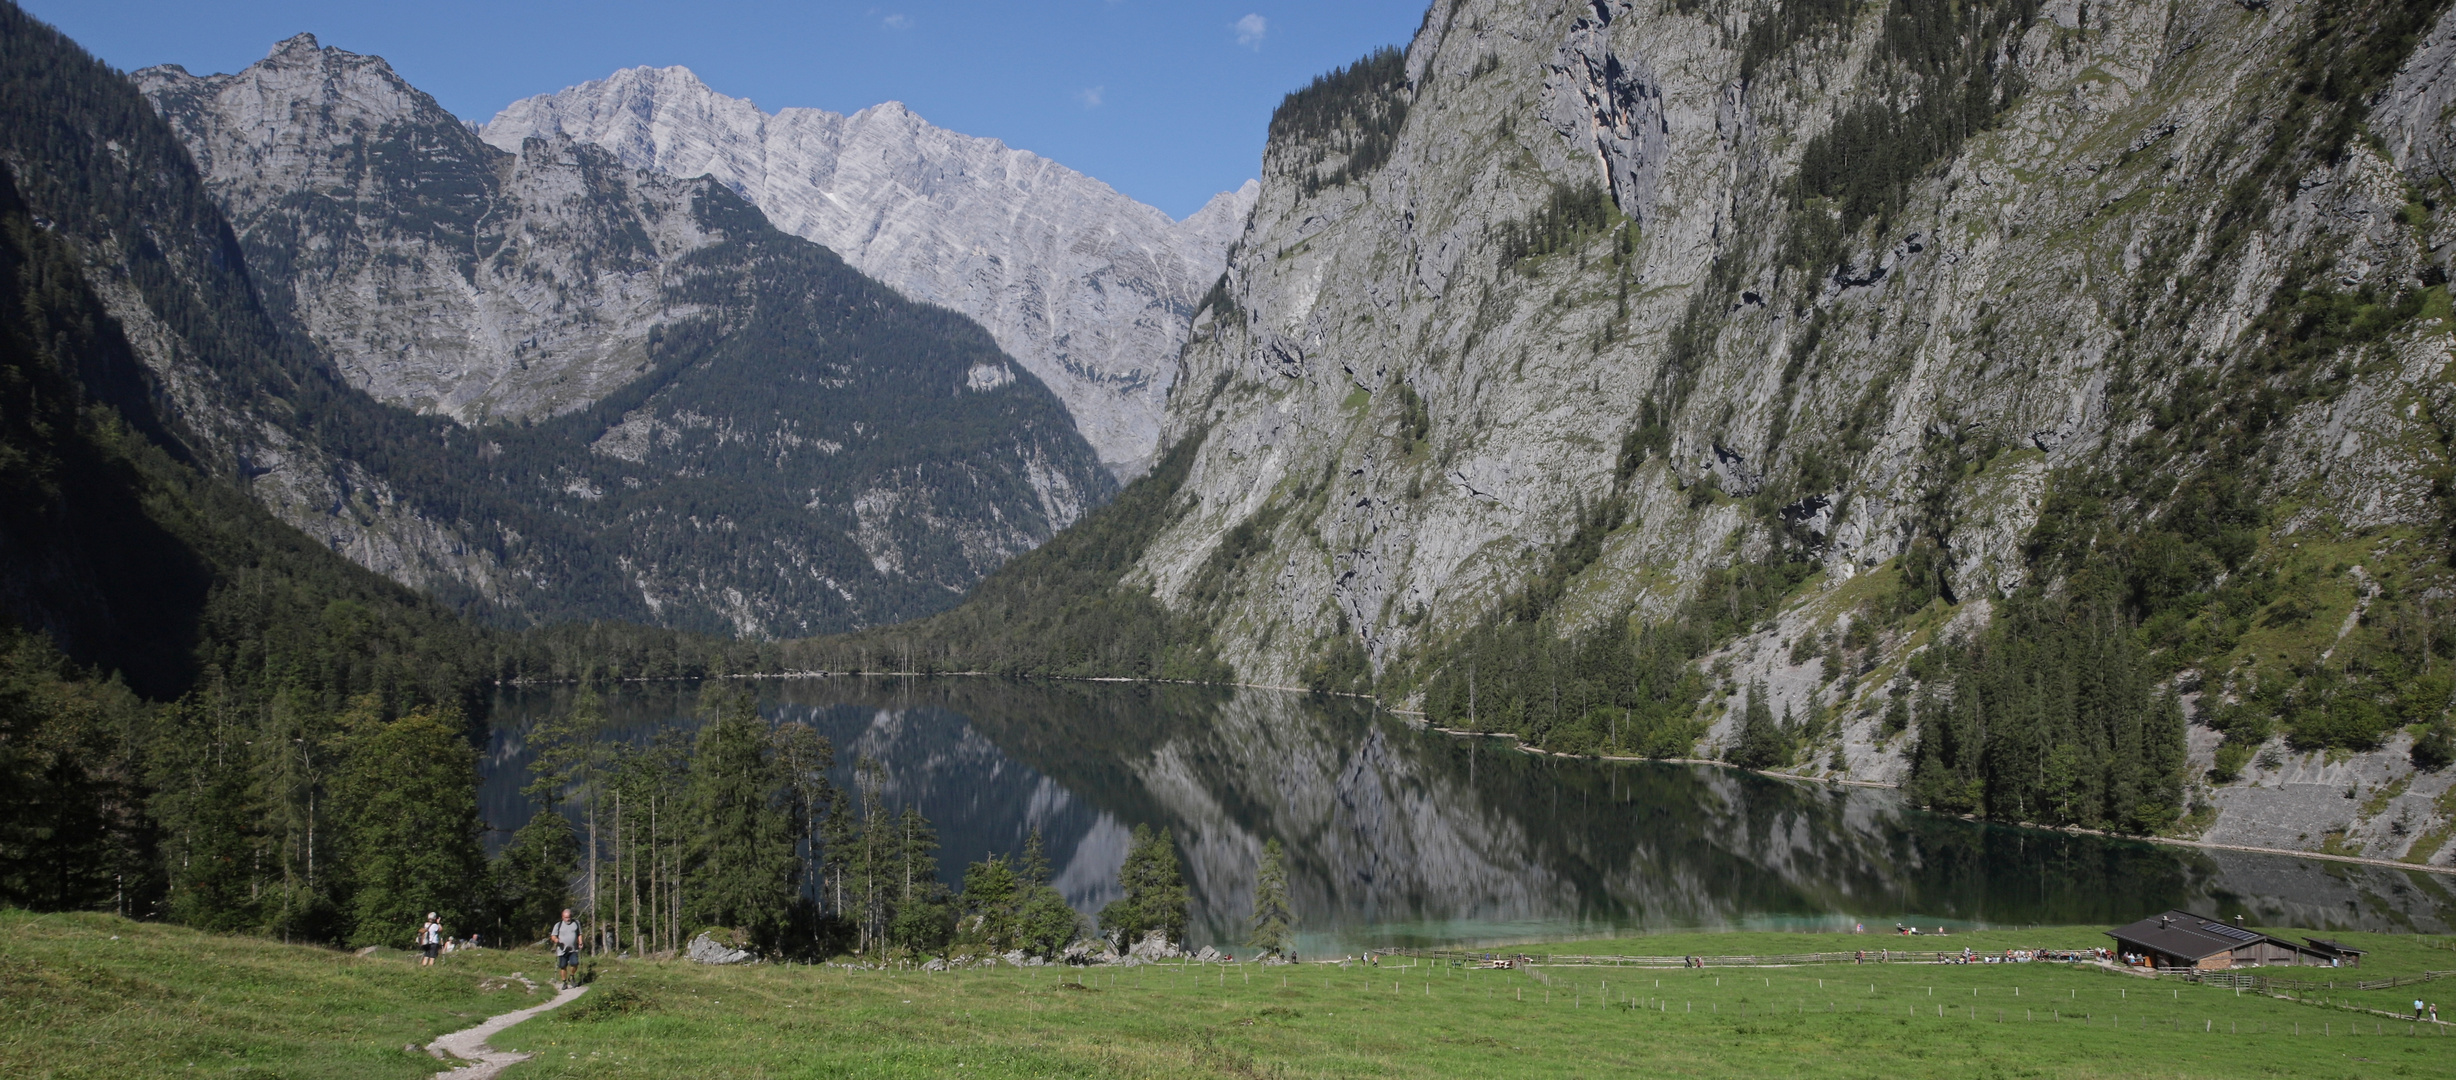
469	1044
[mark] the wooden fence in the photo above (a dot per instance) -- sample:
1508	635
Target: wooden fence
2253	980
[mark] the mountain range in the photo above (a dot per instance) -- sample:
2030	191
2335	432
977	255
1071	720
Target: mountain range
1088	289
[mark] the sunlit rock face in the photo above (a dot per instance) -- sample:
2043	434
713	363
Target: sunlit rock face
1090	290
438	273
1411	392
659	408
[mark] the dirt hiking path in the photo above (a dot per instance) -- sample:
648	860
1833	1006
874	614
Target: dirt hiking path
469	1044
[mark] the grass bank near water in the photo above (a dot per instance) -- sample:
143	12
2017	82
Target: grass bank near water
165	1001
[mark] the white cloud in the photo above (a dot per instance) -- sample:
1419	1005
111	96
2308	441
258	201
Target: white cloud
1091	96
896	22
1250	30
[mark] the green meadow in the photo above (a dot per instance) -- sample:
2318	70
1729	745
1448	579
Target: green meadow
166	1001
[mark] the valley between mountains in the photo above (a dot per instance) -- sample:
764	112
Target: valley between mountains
2039	406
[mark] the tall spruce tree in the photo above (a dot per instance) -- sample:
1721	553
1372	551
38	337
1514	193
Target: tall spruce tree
1155	890
1274	921
743	865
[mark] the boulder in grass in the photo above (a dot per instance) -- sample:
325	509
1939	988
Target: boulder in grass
1209	955
707	950
1156	946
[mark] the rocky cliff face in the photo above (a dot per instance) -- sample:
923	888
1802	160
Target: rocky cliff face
1904	290
438	274
1089	289
635	399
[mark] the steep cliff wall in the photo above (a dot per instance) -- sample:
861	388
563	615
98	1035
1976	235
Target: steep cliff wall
1831	332
1090	290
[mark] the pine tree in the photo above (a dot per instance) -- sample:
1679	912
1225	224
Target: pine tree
1155	891
743	867
1273	921
1763	744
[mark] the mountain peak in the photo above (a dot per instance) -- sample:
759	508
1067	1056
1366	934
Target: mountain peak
1090	290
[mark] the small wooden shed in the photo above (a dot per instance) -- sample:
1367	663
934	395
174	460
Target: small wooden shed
2181	939
2344	955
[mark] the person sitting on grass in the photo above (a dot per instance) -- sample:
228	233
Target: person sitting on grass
566	939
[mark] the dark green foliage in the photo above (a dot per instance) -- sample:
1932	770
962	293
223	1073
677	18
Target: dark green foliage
1045	924
2435	748
1274	920
1574	213
1341	666
1353	113
1012	906
1059	610
1605	689
1763	743
75	832
1775	29
2052	720
531	879
409	803
742	868
1155	891
1939	59
1415	421
1650	438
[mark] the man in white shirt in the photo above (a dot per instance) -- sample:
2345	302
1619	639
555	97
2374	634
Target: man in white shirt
566	938
430	940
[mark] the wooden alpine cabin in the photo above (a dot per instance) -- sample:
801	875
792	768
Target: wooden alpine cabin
2180	939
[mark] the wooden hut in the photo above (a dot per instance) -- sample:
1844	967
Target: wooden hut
2180	939
2344	955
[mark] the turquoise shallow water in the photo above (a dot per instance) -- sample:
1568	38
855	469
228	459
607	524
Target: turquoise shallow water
1399	836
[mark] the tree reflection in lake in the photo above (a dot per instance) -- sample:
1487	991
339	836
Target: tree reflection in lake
1397	835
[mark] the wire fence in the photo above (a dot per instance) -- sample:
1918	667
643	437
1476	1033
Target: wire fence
1854	956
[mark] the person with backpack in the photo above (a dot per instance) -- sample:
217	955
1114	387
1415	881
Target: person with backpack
566	939
430	940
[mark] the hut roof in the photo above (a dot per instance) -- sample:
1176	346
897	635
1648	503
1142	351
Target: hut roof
2183	934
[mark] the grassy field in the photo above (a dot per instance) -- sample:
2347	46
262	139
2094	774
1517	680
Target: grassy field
97	996
76	1003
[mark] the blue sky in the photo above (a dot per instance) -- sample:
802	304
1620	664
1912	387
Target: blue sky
1166	100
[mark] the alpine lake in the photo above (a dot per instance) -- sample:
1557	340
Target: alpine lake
1402	837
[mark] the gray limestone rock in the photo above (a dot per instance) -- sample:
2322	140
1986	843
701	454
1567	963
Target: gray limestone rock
1932	381
1088	289
705	950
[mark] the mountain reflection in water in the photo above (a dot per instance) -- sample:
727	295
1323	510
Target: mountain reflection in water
1400	836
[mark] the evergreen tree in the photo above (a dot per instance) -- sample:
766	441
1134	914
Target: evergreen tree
1155	891
1045	924
991	900
411	789
743	867
1763	744
532	877
1273	920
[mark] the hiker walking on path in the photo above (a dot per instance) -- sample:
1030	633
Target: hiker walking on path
566	938
430	940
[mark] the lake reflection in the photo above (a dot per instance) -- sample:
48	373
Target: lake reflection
1400	836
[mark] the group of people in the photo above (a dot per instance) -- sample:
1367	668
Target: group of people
565	937
433	942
